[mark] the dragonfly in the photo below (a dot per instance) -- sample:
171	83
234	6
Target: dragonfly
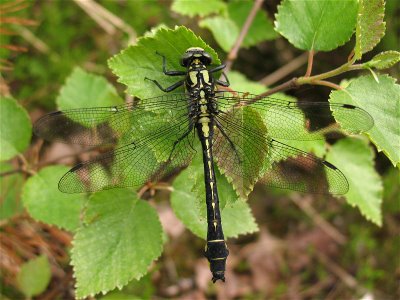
239	132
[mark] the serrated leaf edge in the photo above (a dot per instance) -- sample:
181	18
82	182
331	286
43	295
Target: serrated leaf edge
357	49
118	285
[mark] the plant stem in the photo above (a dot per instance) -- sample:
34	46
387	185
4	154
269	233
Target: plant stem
313	80
235	49
285	70
343	68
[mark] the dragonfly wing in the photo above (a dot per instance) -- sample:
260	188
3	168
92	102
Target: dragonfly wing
290	120
291	168
149	159
105	125
239	147
246	153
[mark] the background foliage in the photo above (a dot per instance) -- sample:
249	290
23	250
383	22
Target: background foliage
283	244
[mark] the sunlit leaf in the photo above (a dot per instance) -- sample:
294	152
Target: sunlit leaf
83	89
224	30
382	101
142	289
16	128
315	25
384	60
370	26
34	276
356	160
46	203
192	8
122	236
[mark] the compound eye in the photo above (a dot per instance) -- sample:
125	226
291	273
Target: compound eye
185	60
207	59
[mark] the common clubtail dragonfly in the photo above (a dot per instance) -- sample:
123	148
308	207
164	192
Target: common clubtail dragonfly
243	132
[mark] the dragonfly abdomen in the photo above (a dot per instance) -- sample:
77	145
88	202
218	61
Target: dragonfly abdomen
216	250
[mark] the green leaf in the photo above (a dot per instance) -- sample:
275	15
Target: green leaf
10	203
356	160
224	30
83	89
261	29
370	27
34	276
135	290
121	238
382	101
46	203
189	203
315	25
383	60
200	8
15	128
239	82
142	58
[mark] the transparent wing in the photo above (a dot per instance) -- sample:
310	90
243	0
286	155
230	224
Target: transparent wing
104	125
291	120
240	145
247	152
148	159
291	168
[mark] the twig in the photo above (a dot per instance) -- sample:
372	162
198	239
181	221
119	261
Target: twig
91	10
105	19
330	230
25	165
345	277
309	63
11	172
285	70
235	49
290	84
37	43
49	162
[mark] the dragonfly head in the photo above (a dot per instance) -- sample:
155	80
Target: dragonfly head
193	53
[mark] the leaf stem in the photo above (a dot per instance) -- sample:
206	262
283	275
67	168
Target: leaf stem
309	63
327	83
235	49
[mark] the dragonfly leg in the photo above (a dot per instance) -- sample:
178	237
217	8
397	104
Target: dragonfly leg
223	83
168	89
229	140
169	73
179	140
216	69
